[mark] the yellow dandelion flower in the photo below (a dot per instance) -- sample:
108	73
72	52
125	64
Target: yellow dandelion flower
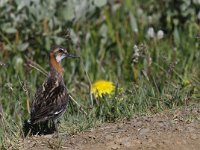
102	87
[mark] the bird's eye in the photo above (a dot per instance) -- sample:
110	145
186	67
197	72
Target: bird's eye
60	50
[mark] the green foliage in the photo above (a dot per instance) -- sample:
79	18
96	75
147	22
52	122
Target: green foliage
112	40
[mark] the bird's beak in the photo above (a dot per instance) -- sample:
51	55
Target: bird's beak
72	56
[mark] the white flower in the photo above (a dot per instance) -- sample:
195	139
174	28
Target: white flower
150	32
136	54
160	34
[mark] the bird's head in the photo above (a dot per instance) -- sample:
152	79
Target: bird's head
59	53
56	55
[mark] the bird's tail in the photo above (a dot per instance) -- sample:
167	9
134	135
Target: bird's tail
41	128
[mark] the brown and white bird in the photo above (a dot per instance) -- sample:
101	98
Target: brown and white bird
51	98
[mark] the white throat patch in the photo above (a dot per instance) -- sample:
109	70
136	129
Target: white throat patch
59	57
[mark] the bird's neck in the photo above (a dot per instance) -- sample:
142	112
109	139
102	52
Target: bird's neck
55	66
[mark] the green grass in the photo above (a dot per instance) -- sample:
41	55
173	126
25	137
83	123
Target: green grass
172	78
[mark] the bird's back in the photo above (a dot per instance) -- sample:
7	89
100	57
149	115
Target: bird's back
50	100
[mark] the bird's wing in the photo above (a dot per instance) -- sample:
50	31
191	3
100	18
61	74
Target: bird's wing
50	101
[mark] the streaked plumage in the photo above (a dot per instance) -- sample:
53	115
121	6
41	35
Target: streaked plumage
50	101
51	98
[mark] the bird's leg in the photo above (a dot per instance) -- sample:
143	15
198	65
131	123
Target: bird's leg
55	127
56	124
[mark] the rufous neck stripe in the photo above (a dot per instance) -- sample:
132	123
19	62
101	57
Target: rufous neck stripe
55	64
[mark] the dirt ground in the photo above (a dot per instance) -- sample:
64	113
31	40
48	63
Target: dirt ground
169	130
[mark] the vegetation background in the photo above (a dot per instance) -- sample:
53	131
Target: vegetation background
149	49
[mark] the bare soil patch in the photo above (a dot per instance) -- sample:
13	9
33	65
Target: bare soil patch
170	130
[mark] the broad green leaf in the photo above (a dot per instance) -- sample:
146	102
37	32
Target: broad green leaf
10	30
68	11
100	3
176	37
103	31
3	2
22	3
133	22
22	46
59	40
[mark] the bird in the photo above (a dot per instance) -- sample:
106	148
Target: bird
51	98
